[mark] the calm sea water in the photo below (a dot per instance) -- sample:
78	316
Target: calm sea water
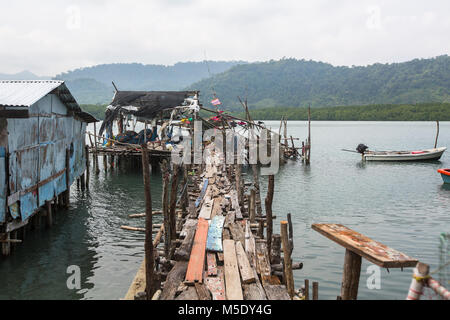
403	205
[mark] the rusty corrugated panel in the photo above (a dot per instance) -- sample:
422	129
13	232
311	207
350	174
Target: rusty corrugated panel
2	184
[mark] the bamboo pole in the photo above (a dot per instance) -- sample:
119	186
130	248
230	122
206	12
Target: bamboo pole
165	207
173	202
252	209
437	134
149	258
288	275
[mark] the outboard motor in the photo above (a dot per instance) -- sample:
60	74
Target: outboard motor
361	148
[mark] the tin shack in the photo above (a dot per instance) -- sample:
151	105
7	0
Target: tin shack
42	151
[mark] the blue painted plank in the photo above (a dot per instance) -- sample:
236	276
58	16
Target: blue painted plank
202	193
214	241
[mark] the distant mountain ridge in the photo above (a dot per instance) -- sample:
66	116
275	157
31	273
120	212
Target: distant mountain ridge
93	84
298	83
24	75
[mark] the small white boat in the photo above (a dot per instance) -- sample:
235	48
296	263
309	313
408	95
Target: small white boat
418	155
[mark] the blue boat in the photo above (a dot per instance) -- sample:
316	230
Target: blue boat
445	174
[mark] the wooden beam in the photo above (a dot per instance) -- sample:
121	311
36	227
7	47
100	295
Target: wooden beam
245	269
197	258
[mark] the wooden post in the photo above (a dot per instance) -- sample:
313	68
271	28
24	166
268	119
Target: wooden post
6	246
256	186
308	151
149	277
83	181
239	189
165	207
421	272
86	148
173	203
48	206
350	278
269	220
306	289
288	275
276	249
105	163
252	209
67	192
437	134
315	290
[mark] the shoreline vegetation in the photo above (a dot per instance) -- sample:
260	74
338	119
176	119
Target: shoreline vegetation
378	112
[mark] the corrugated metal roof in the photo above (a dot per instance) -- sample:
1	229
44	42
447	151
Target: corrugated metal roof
23	93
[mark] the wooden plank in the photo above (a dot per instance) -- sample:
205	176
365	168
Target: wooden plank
202	291
250	246
184	251
229	218
245	269
197	259
237	233
254	291
205	211
214	242
211	264
173	281
235	205
262	260
367	248
216	285
189	294
232	279
220	257
276	292
202	193
217	206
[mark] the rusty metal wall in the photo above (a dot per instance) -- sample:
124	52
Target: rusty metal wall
37	148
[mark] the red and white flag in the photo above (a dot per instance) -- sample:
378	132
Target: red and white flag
215	102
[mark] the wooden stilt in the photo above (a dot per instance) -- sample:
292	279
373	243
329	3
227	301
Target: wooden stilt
306	289
269	220
350	279
67	192
173	202
315	290
252	208
165	207
288	275
48	206
149	258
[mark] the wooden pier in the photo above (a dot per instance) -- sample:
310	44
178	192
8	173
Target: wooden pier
218	252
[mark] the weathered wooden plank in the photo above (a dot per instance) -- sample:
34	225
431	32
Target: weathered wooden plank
205	211
262	260
245	269
229	218
211	264
188	225
189	294
202	291
214	242
254	291
367	248
235	205
217	207
250	246
202	193
197	259
174	279
276	292
184	251
216	285
232	278
237	233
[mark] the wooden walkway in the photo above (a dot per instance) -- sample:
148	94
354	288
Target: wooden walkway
218	255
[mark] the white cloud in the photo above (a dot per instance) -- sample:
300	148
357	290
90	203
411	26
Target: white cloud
54	36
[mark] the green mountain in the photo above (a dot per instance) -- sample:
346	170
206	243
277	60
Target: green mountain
24	75
298	83
93	84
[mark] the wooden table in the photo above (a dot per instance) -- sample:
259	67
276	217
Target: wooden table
358	245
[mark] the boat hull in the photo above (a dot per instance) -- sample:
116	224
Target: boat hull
431	154
445	174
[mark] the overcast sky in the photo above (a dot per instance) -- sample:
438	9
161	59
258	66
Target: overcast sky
51	36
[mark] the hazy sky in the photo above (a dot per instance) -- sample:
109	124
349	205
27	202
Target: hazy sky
51	36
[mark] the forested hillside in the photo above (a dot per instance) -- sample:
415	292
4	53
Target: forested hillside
93	84
297	83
